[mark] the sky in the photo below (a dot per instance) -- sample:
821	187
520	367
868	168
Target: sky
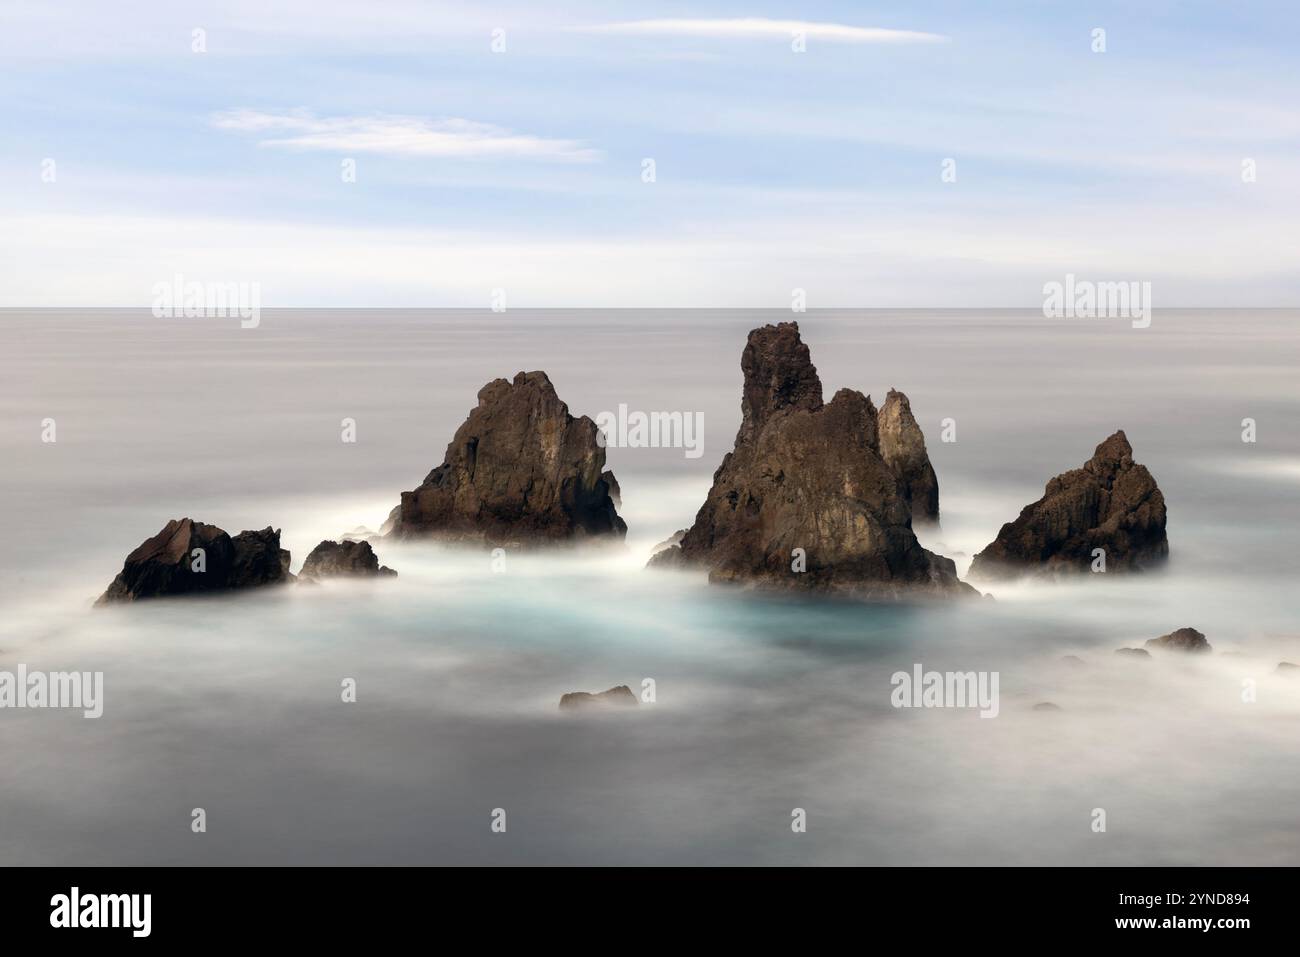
908	154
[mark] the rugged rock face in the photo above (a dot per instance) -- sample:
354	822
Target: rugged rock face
1184	639
620	697
615	492
345	559
259	559
902	446
520	470
810	476
1111	503
167	563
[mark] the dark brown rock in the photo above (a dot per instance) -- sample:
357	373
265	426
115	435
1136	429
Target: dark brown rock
259	559
170	563
520	470
620	697
347	559
615	492
1111	503
1184	639
808	475
902	446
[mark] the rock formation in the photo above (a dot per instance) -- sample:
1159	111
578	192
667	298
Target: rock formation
347	559
1111	503
674	539
902	446
1184	639
806	500
1133	652
259	559
615	492
520	470
189	557
620	697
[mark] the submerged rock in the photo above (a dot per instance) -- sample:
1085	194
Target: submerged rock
520	470
620	697
1286	668
1047	706
189	557
1133	652
1184	639
805	500
342	560
1111	503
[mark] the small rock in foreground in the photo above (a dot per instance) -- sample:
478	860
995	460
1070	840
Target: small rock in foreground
342	560
620	697
1184	639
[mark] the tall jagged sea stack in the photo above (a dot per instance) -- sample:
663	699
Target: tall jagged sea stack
809	478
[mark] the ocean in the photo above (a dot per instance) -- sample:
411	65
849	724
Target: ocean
762	704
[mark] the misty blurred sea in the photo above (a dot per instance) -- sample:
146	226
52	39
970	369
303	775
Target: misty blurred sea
762	704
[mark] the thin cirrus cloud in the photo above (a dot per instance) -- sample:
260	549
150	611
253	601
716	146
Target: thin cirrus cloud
449	138
761	27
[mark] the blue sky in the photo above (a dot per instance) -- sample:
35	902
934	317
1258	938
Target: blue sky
522	170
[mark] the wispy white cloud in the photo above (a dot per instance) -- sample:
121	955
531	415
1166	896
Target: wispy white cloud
900	258
762	27
450	138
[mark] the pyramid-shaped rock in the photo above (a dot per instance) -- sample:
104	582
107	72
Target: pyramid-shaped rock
1111	503
520	470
